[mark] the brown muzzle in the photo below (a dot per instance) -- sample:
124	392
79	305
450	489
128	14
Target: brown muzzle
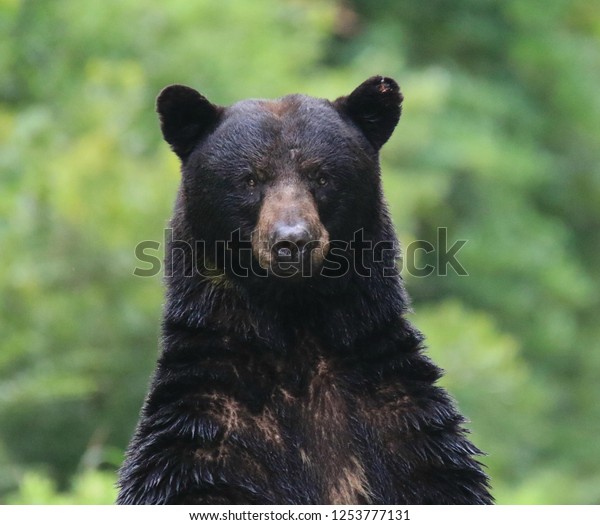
290	239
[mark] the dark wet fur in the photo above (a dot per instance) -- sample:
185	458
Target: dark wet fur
305	391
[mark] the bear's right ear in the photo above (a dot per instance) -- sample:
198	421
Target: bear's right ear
185	116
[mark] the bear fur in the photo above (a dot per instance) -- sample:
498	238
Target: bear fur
289	373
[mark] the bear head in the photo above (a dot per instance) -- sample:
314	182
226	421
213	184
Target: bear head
285	178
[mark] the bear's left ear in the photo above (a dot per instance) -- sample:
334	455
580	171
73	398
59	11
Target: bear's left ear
375	107
185	117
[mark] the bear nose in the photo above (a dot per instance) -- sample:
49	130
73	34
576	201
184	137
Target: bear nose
290	239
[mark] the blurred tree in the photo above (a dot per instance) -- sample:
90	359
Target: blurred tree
87	488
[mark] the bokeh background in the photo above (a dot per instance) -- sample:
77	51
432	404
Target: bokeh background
499	142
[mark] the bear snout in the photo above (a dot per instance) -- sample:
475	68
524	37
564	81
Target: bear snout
291	246
290	239
290	242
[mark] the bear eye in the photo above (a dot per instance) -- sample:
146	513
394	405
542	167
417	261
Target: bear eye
251	181
322	181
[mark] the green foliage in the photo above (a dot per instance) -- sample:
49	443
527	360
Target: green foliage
88	488
498	143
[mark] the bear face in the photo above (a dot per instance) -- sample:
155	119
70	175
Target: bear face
287	176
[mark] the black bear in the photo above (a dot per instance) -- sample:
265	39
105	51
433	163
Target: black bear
288	372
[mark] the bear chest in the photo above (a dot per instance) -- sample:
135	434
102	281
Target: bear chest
306	440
